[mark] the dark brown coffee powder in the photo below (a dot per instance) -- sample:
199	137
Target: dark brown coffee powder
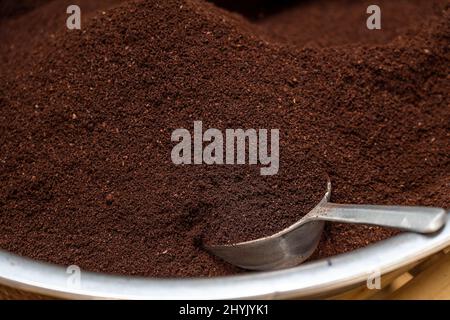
86	119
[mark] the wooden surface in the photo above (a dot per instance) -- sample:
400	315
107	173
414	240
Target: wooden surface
432	283
429	279
13	294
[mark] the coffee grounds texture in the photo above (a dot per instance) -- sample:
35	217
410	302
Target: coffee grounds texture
86	119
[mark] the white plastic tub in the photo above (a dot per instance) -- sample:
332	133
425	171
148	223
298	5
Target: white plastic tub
313	279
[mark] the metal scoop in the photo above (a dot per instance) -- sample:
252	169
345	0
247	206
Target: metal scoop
296	243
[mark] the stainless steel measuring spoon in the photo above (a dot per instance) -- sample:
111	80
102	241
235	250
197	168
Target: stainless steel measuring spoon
296	243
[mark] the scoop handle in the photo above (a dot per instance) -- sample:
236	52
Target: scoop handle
415	219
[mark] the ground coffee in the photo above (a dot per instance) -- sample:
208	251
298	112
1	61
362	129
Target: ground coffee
86	119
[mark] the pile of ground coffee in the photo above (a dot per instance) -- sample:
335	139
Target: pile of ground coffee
86	119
